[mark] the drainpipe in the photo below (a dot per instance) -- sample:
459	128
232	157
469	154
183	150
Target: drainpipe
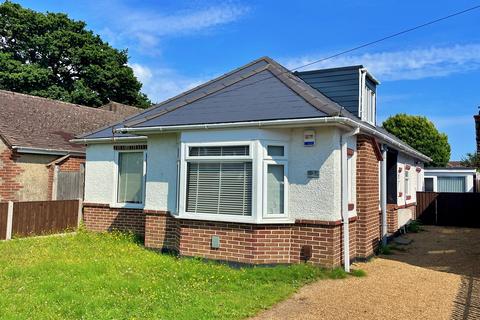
383	193
344	193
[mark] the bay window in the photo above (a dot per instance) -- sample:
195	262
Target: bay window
234	181
219	180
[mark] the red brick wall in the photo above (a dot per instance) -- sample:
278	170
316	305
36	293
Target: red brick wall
98	217
239	242
368	225
161	231
72	163
257	244
392	218
9	170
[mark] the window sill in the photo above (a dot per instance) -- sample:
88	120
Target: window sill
235	219
127	206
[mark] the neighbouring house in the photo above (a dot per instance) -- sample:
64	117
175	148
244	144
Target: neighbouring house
450	179
37	160
258	166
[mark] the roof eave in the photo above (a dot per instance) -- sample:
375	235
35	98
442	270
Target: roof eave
335	120
47	151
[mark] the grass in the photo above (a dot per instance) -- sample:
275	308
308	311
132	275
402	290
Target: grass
415	226
385	249
111	276
358	273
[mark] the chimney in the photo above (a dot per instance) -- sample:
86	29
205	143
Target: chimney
477	130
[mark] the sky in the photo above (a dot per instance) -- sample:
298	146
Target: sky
175	45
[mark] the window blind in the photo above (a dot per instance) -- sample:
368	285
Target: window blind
219	188
130	177
219	151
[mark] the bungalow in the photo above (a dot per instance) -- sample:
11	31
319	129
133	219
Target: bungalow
36	157
258	166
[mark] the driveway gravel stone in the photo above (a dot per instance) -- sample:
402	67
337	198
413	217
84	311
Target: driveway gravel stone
437	276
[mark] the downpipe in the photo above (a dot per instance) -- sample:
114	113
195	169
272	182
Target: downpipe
344	192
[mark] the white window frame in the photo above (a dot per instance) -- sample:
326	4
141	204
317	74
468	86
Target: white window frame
284	163
257	155
434	178
407	183
185	158
368	104
114	202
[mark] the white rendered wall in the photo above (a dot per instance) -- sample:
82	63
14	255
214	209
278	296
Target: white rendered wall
415	179
309	198
99	173
161	180
316	199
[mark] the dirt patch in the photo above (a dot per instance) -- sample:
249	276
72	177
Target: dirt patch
437	276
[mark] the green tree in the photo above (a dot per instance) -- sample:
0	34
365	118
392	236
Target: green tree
51	55
471	160
422	135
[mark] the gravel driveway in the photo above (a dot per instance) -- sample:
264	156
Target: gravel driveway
437	276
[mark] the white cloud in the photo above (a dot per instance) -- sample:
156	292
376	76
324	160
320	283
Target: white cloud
443	122
161	84
145	29
404	64
143	73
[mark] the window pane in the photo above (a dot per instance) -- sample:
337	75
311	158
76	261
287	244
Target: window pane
130	177
451	184
275	189
219	188
428	184
275	151
407	183
219	151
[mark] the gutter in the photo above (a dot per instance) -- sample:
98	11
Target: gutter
335	120
55	152
108	140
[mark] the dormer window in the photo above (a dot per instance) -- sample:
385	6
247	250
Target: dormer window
368	110
369	106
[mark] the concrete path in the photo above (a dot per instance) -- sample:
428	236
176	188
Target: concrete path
437	276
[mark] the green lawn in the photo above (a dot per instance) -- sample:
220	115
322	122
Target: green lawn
111	276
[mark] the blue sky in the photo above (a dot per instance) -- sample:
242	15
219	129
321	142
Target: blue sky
174	45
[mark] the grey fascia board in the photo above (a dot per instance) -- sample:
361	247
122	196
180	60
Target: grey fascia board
275	123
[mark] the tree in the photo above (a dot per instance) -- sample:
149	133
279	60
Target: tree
51	55
471	160
422	135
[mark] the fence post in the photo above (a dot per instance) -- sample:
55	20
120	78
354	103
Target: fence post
9	220
80	212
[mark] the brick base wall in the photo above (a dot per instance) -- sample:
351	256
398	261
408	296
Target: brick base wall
97	217
392	218
239	242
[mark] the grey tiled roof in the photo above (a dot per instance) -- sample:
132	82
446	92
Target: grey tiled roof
34	122
260	90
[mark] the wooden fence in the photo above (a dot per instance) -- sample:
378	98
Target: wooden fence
449	208
3	220
39	217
